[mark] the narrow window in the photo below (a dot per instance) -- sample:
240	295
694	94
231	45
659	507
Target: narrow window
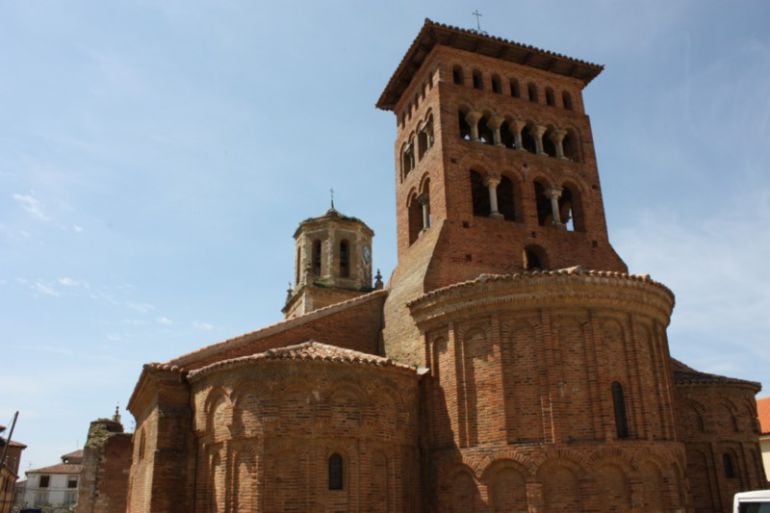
550	99
479	195
497	87
727	463
465	127
335	472
72	482
566	100
457	75
543	205
415	218
515	91
527	140
429	130
344	259
570	147
532	92
505	199
534	258
485	133
549	147
297	267
478	83
45	481
619	403
422	142
570	213
506	135
316	258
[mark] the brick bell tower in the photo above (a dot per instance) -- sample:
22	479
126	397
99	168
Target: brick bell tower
495	164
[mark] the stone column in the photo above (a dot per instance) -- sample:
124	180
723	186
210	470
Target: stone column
537	132
424	203
517	127
553	194
492	183
472	118
495	123
557	136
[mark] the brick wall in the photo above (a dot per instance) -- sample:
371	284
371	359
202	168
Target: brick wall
103	482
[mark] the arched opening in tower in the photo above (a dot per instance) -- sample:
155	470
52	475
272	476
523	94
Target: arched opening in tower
415	218
534	258
566	100
532	92
515	90
497	87
485	133
528	140
549	147
550	98
506	135
506	201
344	259
457	75
316	258
465	127
479	195
478	82
569	144
570	209
543	205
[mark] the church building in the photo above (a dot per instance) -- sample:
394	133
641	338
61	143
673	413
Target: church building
510	363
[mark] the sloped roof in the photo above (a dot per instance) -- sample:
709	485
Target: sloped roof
61	468
331	214
306	351
763	412
433	33
686	375
74	455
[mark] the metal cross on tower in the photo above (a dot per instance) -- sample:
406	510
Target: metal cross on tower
477	14
331	192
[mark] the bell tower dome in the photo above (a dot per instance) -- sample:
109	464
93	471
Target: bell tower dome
333	262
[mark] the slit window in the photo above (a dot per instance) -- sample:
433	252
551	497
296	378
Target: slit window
335	472
550	99
515	91
457	75
727	463
316	258
534	258
543	205
478	82
619	404
497	88
344	259
506	203
566	100
465	127
479	195
532	92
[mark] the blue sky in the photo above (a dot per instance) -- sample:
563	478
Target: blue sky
156	157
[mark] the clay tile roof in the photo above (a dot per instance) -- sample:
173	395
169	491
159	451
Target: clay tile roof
61	468
164	367
73	457
530	275
13	443
433	34
763	412
306	351
685	375
332	213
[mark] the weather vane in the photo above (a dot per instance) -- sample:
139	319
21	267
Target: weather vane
477	14
331	192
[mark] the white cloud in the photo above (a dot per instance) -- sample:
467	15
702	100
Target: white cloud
205	326
142	308
68	282
32	206
77	228
164	321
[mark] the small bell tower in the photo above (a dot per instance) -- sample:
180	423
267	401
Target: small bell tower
333	262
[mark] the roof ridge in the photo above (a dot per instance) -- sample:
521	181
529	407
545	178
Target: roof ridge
185	359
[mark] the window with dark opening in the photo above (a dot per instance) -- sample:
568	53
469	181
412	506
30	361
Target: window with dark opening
72	482
532	92
515	92
527	140
465	127
569	145
457	75
415	218
534	258
335	472
550	99
727	463
480	195
296	270
316	258
570	213
497	87
549	147
344	259
505	199
45	482
485	133
422	142
566	100
429	130
506	135
478	82
543	205
619	404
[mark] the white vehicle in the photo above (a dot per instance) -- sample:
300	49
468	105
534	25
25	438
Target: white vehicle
757	501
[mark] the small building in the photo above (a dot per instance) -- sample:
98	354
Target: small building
54	488
763	411
9	471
